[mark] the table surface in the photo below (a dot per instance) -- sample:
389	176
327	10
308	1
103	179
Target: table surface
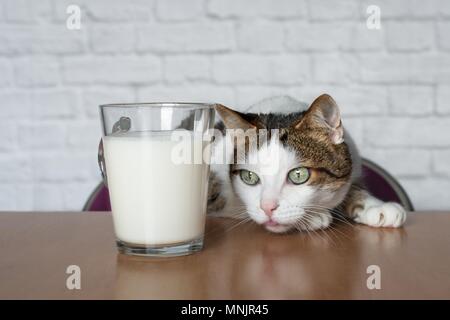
238	262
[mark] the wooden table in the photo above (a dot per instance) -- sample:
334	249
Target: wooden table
245	262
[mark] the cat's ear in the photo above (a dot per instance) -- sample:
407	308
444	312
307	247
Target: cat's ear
325	112
233	119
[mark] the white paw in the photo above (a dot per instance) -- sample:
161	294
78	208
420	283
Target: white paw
387	214
318	221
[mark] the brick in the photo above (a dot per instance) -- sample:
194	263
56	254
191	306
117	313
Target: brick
401	162
60	11
303	36
24	196
48	197
179	10
107	10
75	194
15	169
411	100
389	9
27	11
7	197
426	9
41	136
355	128
257	8
437	197
340	9
36	72
444	8
58	104
186	37
6	73
245	69
8	136
409	36
250	94
112	38
93	97
394	68
183	68
112	70
443	99
335	68
308	92
40	39
118	10
248	69
260	36
288	69
443	35
400	68
16	104
401	9
50	167
84	135
407	9
408	132
353	100
188	93
441	162
359	100
362	39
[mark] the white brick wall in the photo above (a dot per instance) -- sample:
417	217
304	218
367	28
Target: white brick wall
393	84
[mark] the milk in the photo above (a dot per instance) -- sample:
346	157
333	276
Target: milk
154	200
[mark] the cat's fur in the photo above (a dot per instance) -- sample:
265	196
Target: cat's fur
311	137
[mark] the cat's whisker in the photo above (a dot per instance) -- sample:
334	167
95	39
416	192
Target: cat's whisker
334	210
216	232
331	227
317	211
308	228
238	224
338	218
309	218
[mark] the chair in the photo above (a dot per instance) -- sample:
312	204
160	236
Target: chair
377	180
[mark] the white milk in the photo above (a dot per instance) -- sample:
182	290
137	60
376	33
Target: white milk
154	201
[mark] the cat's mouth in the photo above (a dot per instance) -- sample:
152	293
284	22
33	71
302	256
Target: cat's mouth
271	223
276	227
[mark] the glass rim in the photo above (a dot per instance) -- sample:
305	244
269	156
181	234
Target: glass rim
176	105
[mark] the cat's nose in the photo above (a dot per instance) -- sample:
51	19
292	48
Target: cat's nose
269	206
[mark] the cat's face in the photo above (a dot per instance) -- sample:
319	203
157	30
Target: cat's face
290	181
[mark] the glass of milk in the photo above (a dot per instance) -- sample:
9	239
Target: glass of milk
155	161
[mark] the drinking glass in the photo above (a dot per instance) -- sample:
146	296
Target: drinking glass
154	159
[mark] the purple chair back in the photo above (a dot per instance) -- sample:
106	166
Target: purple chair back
98	200
379	182
383	186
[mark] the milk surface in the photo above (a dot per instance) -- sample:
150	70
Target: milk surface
154	201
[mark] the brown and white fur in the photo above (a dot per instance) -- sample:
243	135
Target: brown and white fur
311	137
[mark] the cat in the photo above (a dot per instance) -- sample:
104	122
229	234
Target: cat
315	170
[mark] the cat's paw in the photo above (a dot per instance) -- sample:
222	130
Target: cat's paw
386	214
317	221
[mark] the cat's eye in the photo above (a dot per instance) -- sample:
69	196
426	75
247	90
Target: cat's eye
298	175
249	177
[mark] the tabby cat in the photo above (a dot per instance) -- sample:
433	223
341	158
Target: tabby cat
303	176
